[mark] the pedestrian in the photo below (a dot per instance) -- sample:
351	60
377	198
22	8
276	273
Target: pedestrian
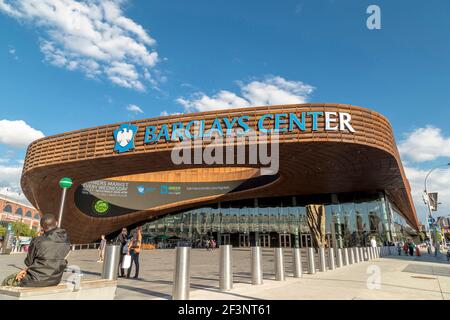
122	239
101	249
213	245
46	259
411	247
429	248
399	248
405	248
373	242
437	249
134	249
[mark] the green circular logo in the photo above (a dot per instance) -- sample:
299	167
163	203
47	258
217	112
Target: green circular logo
101	207
65	183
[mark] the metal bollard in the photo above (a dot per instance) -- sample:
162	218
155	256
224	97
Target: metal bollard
322	260
279	264
331	262
297	262
361	254
372	253
311	262
256	265
346	260
352	256
356	250
181	275
340	263
111	262
367	255
379	252
226	268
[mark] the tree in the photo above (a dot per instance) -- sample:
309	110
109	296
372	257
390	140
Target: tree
422	236
22	229
316	217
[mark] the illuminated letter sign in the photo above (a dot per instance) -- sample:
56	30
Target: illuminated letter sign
267	123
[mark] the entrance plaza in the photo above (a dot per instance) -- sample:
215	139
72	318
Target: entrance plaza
405	278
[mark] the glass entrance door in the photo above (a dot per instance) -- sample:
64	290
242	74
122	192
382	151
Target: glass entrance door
285	240
244	240
305	240
264	240
225	239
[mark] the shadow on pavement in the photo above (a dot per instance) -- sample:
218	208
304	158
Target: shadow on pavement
383	284
146	292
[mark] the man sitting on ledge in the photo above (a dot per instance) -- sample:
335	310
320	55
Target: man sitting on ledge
46	259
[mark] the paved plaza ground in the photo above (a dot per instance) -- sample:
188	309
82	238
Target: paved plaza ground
404	278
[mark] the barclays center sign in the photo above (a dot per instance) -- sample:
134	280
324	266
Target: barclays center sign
124	136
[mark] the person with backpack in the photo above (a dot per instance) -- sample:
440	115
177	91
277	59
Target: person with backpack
134	249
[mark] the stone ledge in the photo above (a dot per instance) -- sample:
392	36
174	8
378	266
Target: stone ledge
101	289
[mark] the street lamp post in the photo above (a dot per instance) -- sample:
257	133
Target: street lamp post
64	183
428	202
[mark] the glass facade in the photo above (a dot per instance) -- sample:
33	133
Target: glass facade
350	220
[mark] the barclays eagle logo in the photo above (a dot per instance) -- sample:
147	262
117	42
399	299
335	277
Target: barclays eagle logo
140	189
124	137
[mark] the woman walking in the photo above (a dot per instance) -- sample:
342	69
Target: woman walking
134	249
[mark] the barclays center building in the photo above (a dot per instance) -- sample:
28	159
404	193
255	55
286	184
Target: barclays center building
338	178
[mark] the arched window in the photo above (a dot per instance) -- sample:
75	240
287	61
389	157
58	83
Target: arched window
28	214
19	212
7	208
37	217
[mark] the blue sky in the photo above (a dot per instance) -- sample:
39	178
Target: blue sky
322	47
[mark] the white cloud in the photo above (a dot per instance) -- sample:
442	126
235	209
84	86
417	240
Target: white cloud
164	113
13	52
134	108
10	181
439	182
17	133
93	37
270	91
9	176
425	144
